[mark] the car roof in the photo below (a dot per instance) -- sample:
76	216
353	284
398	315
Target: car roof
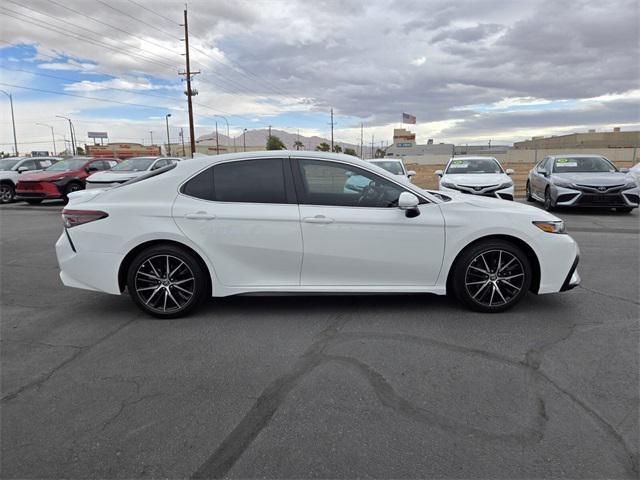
576	155
473	157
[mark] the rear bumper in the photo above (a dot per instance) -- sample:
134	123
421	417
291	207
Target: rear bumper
87	270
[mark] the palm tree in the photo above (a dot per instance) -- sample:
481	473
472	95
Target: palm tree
298	144
323	147
337	148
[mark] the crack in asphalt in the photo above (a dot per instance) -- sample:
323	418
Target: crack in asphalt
220	462
38	382
609	295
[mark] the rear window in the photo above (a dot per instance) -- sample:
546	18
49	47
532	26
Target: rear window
246	181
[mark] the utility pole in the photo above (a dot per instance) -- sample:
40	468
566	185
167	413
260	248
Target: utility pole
13	122
217	143
331	128
184	153
269	133
361	140
71	131
151	132
372	156
244	139
53	137
166	117
190	92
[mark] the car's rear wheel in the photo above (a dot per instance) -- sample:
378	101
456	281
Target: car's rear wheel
34	201
166	281
491	276
7	192
528	193
548	203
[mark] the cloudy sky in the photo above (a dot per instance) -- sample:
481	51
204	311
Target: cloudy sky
471	71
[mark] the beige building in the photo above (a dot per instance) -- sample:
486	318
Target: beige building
590	139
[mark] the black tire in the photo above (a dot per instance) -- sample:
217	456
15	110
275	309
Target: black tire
548	202
34	201
528	193
478	291
624	209
70	188
7	193
147	292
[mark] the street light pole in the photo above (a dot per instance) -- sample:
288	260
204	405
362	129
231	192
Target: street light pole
151	132
13	122
228	135
53	137
71	130
244	139
166	117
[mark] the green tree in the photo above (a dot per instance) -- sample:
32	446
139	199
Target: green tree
337	148
350	151
274	143
379	153
79	150
323	147
298	145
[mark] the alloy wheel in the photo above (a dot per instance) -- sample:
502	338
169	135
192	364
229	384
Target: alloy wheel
165	283
494	278
6	194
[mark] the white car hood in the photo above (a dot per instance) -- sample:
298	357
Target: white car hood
109	176
476	179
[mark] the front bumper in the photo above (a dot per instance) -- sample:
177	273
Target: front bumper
502	193
37	190
573	197
573	277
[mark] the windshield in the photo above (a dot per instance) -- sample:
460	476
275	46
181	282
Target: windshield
474	165
582	164
8	163
137	164
67	165
391	167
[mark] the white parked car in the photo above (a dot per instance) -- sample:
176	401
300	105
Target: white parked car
12	167
283	221
395	167
477	176
634	172
128	170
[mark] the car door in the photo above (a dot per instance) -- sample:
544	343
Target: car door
359	237
538	179
243	214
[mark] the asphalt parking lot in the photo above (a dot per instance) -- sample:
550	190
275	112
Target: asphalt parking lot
322	386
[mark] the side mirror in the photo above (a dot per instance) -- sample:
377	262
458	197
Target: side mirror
439	173
411	173
510	171
407	201
624	170
22	169
542	172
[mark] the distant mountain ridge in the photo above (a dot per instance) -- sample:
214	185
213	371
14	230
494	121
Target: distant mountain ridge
259	137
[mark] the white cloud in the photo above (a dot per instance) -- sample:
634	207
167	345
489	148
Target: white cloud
418	61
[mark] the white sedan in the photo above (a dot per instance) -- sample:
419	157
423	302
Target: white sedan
127	170
478	176
395	167
283	221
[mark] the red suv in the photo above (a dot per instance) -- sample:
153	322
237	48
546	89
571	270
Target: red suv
59	179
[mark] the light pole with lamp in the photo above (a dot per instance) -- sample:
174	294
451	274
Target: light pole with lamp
53	136
71	131
228	136
166	117
13	122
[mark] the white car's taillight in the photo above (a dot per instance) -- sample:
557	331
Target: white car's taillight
73	218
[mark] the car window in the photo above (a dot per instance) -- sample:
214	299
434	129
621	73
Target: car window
541	164
44	163
332	183
163	162
29	165
247	181
393	167
582	164
100	165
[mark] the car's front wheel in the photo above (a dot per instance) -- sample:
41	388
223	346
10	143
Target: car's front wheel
70	188
491	276
7	192
166	281
548	202
528	193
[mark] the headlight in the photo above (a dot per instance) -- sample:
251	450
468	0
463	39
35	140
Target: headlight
560	183
448	185
551	227
505	185
630	185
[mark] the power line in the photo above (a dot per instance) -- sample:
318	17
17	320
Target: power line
154	27
154	12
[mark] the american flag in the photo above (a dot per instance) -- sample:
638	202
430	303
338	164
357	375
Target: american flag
406	118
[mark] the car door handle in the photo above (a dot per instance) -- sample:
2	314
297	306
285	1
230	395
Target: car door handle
318	219
199	216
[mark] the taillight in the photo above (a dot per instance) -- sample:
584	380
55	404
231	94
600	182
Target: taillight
73	218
